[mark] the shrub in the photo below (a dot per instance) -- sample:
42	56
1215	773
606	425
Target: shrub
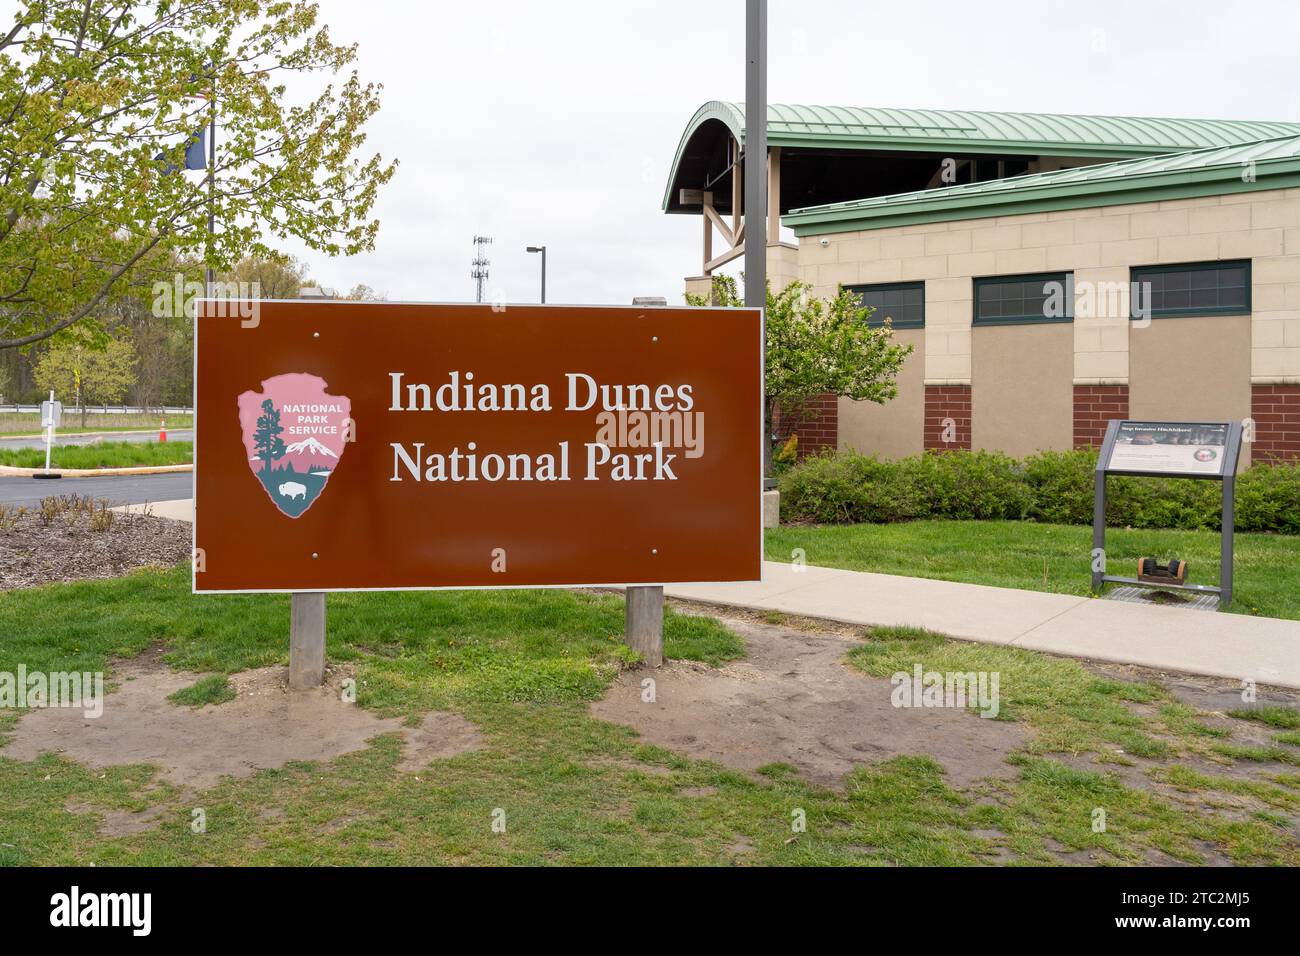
1060	483
981	485
1051	486
1268	499
849	488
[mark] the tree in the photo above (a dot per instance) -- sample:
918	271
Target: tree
91	371
98	102
815	347
277	277
362	293
266	436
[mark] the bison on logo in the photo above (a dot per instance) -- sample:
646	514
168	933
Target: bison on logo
294	434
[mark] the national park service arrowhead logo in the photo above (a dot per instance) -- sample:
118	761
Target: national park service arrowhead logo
295	434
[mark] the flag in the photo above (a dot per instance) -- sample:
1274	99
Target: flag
196	153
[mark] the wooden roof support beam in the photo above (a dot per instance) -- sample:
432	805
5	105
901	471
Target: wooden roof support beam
773	195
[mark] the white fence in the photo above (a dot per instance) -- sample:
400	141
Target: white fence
104	409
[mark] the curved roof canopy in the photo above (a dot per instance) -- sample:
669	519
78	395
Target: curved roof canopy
1268	164
958	131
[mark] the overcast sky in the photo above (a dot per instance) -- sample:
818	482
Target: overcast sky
555	122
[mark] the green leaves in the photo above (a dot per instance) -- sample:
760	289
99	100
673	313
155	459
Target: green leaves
818	346
98	98
87	369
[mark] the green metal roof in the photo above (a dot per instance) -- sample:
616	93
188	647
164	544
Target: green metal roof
1268	164
966	131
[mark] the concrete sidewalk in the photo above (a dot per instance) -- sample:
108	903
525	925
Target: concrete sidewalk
182	509
1262	649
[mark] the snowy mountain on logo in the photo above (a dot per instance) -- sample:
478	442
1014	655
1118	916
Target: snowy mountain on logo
309	453
309	446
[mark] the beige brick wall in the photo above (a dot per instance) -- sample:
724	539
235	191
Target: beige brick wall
1196	369
782	265
895	429
1022	400
1099	245
699	285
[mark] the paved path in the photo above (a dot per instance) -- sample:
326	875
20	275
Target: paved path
1235	646
182	509
119	490
183	434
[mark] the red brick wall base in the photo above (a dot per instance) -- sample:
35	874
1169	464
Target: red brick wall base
947	417
1276	413
1094	406
816	422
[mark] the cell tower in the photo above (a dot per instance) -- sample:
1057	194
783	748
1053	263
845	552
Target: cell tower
480	271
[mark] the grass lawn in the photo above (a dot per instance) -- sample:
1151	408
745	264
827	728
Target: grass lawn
109	454
29	423
1047	557
523	665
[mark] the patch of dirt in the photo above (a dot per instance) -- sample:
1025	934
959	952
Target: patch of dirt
265	727
118	823
1214	694
794	701
69	548
439	735
742	847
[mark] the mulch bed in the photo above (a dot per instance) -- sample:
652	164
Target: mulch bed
75	544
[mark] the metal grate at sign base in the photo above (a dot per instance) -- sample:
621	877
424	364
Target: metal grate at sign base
1146	595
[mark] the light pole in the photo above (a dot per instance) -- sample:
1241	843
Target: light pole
755	186
542	250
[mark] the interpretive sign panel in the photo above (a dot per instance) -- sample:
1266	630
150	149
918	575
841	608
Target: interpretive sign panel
1195	449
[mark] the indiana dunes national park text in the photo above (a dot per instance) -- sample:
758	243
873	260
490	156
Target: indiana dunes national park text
663	416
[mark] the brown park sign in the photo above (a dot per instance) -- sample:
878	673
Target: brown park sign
348	445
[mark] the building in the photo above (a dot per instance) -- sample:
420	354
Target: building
1052	272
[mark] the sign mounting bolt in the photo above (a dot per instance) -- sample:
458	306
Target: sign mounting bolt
314	555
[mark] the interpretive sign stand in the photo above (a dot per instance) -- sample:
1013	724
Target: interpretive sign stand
1204	450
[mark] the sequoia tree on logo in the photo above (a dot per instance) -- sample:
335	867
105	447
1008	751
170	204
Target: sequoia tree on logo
295	433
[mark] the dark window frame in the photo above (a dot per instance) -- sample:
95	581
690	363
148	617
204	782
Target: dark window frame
979	282
1137	273
876	319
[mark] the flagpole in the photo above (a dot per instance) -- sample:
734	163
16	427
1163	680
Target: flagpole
212	178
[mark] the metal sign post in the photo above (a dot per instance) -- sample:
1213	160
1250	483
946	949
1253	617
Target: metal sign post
51	417
1201	450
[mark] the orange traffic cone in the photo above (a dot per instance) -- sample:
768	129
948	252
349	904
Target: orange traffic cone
162	430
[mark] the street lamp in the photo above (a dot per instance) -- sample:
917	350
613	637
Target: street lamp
542	250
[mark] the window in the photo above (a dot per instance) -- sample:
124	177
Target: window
901	302
1196	288
1021	300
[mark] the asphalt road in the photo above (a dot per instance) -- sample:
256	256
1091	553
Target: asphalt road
185	434
119	490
